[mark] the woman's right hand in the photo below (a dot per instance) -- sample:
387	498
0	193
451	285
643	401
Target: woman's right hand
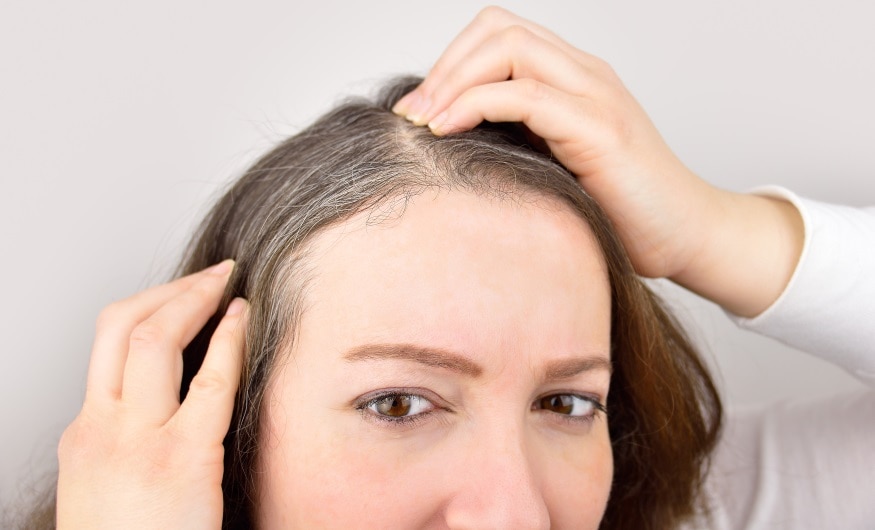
135	457
673	224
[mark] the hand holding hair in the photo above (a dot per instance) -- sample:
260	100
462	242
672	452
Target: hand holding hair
736	250
135	457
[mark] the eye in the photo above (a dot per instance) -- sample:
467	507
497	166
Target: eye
397	407
575	407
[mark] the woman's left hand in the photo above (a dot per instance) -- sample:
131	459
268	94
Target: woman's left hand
503	68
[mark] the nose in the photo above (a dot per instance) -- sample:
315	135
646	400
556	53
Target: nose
497	487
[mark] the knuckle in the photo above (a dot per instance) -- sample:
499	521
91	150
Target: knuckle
516	36
608	73
532	89
602	65
492	14
202	294
470	98
110	316
78	439
68	443
148	334
182	445
209	383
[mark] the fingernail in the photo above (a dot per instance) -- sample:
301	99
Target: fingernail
236	307
436	125
402	107
406	104
222	268
419	113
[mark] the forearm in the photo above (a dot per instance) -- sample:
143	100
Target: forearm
748	253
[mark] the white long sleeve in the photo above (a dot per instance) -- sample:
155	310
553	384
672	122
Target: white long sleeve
828	308
810	465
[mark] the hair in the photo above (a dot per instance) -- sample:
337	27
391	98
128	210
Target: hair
664	411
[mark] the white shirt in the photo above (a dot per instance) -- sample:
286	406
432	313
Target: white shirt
810	465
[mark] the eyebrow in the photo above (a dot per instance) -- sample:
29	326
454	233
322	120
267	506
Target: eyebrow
440	358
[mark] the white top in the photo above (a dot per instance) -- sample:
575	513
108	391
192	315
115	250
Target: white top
810	465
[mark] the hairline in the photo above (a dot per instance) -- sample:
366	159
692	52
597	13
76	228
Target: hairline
298	269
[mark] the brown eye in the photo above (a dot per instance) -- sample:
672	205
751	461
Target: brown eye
396	406
569	405
560	403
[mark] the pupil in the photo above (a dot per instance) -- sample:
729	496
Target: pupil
394	406
560	404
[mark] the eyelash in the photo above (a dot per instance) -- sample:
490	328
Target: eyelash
364	407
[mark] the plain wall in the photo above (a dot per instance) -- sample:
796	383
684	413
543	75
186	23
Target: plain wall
119	121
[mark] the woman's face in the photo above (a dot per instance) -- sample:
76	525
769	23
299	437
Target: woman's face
448	373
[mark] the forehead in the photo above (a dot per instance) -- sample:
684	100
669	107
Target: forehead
462	271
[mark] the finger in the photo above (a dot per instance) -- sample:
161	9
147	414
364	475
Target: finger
488	22
114	327
206	412
153	370
563	121
513	53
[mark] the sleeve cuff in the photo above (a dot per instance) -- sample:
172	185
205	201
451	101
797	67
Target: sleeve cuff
778	192
828	306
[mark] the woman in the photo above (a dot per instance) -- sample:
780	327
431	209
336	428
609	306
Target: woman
447	270
641	467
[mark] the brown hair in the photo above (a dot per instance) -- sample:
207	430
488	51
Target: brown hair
665	413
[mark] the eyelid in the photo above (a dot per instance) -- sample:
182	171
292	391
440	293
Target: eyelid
594	397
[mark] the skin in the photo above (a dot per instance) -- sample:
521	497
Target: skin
511	286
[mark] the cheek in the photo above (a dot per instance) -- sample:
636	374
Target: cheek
577	481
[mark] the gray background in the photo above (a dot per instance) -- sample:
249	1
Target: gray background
120	121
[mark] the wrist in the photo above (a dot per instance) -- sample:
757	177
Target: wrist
748	253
